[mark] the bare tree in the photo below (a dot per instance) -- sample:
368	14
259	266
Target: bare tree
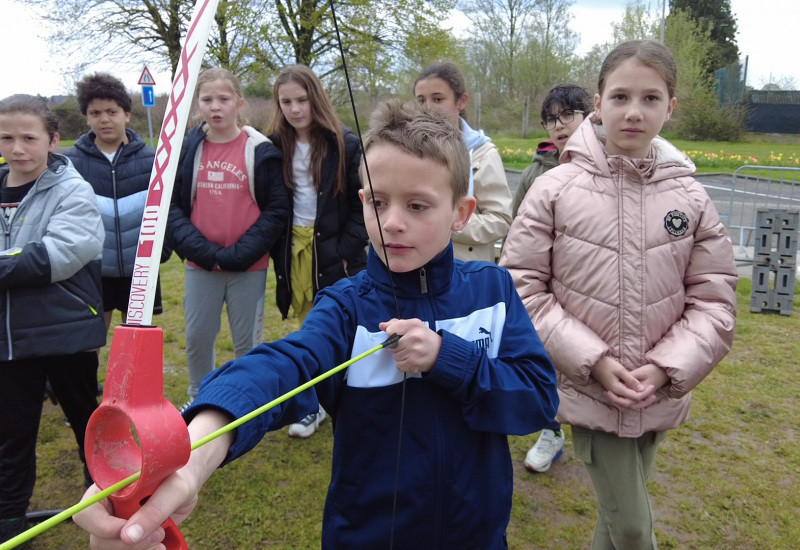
587	68
639	22
122	30
548	55
253	38
517	49
780	82
501	28
548	52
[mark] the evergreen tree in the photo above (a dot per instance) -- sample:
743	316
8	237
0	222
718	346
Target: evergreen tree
716	16
699	114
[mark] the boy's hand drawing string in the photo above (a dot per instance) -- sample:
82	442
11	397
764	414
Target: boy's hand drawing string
388	269
69	512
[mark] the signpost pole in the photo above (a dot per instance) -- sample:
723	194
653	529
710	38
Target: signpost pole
150	127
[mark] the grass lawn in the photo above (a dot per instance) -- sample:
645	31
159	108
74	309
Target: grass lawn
517	152
726	479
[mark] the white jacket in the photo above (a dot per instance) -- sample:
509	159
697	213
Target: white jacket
491	219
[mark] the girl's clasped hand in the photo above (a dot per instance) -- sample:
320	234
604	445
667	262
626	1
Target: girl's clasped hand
635	389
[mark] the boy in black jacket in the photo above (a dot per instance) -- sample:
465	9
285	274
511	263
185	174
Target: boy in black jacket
117	162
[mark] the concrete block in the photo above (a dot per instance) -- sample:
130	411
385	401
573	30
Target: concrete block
766	241
784	281
771	302
761	278
787	243
777	219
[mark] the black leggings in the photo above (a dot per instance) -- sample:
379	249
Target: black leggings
74	382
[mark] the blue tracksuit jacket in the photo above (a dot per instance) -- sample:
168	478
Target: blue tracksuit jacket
492	378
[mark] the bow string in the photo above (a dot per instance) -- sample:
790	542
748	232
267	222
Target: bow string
388	269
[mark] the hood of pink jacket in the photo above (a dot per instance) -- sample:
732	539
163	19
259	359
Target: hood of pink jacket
586	149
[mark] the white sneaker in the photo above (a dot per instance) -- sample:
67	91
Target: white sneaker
182	408
545	451
306	427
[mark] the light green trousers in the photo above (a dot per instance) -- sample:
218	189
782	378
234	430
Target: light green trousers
619	468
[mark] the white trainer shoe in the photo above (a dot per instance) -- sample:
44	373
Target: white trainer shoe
547	449
186	405
306	427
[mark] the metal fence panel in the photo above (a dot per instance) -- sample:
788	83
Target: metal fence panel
755	187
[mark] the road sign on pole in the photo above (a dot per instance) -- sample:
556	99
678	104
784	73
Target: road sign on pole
146	79
149	100
148	96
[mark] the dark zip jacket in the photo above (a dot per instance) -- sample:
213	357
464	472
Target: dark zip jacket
266	188
546	157
50	290
339	232
121	188
492	378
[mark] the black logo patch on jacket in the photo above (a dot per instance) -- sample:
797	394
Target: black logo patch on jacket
676	223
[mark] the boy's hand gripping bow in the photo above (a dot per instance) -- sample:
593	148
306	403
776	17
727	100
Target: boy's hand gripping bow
136	428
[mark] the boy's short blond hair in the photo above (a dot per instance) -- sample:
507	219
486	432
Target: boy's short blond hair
423	133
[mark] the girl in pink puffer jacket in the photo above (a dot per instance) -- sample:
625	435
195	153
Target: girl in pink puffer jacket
628	275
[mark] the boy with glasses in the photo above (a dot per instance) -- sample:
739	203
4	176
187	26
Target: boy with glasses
563	110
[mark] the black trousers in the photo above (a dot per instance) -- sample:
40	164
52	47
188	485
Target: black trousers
74	382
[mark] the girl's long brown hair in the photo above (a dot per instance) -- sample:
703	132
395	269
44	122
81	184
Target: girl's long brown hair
323	117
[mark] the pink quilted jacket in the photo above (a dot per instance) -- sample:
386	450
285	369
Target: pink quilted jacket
627	260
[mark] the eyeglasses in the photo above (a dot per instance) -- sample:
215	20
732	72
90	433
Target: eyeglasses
565	117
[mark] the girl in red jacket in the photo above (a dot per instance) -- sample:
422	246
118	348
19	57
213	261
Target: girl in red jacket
628	275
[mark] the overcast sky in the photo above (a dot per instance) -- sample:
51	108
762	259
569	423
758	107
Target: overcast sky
767	33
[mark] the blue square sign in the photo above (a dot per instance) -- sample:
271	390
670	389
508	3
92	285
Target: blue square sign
148	96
